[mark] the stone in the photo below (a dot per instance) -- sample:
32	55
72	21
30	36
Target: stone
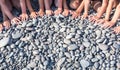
86	44
72	47
4	41
35	52
96	65
61	61
103	47
84	63
16	35
31	65
66	41
98	33
118	65
62	29
116	45
69	36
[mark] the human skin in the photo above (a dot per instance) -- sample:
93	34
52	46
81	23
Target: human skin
7	12
102	9
112	4
109	24
33	14
59	4
41	6
48	10
66	10
78	11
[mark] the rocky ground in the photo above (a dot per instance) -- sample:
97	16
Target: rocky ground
59	43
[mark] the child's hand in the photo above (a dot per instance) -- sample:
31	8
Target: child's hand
108	24
41	13
33	15
117	29
15	20
93	18
58	11
101	21
6	24
24	16
65	12
85	15
49	12
1	27
75	14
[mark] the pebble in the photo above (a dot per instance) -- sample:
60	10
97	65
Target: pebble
69	36
103	47
72	47
116	45
118	65
61	61
66	41
16	35
84	63
4	41
98	33
35	52
31	65
86	44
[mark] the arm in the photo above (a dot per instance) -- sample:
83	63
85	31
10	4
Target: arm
29	6
41	5
86	6
103	8
109	9
80	8
23	6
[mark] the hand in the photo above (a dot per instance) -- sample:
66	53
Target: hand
101	21
58	11
65	12
33	15
117	29
93	18
24	16
75	14
41	13
85	15
108	24
6	24
15	20
49	12
1	27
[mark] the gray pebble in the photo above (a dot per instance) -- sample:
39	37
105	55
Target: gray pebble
72	47
84	63
103	47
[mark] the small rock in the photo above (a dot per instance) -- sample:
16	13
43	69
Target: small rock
32	65
16	35
4	41
61	61
35	52
84	63
98	33
72	47
118	65
66	41
103	47
86	44
69	36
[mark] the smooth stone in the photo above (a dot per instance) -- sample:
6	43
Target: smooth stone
31	64
118	65
86	44
96	65
4	41
61	61
103	47
62	29
84	63
94	60
45	63
116	45
66	41
16	35
72	47
25	69
35	52
69	36
112	62
29	24
67	55
98	33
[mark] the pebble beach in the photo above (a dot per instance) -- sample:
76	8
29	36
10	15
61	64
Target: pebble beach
59	43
